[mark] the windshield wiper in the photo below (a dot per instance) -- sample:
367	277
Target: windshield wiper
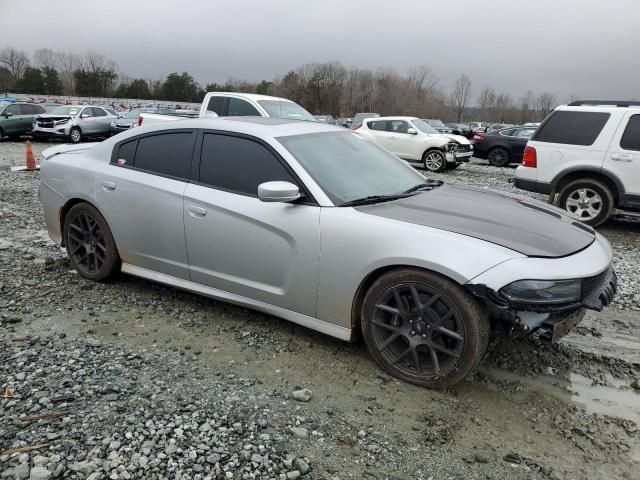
429	185
373	199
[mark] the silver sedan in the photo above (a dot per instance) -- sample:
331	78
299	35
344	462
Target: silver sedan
322	227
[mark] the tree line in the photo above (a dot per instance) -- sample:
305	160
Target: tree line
322	88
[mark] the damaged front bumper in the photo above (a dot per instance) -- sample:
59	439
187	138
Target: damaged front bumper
552	320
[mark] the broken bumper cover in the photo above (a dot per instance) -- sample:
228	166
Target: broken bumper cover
554	319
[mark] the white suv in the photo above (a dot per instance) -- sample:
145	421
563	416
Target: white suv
414	140
588	152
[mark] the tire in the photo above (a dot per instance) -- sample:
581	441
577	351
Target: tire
587	200
404	340
90	244
75	135
498	157
434	161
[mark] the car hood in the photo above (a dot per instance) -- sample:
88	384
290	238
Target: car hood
458	138
527	226
52	116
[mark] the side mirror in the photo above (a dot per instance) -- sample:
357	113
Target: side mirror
7	114
278	192
412	131
85	115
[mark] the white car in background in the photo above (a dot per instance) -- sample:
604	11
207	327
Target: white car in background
416	141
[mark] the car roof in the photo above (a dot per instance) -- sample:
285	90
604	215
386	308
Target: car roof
250	96
393	118
262	127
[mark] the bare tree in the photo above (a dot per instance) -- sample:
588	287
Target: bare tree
423	85
67	63
460	96
526	105
503	107
486	101
45	58
15	60
545	103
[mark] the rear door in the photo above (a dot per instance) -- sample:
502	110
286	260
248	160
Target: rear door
140	194
102	121
265	251
623	157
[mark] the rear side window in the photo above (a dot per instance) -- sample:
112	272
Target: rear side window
126	153
572	128
166	154
240	108
239	164
631	137
379	125
216	105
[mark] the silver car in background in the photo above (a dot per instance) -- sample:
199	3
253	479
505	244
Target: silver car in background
320	226
73	122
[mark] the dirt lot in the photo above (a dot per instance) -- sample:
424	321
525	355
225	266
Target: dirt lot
136	380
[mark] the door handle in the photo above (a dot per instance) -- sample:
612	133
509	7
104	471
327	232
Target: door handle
108	185
197	211
622	157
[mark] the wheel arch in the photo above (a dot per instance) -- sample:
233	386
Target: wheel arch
64	210
605	176
431	149
370	278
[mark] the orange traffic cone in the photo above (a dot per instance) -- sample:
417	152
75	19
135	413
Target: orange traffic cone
30	161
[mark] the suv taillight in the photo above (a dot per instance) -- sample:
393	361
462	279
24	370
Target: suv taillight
478	138
139	120
530	157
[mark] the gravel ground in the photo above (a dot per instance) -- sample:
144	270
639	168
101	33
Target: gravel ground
137	380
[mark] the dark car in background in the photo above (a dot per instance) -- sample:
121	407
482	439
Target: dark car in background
438	125
17	118
461	129
502	147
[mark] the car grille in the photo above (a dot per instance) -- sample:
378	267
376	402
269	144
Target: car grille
46	123
598	291
464	148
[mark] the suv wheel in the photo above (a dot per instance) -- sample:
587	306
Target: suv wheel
498	157
75	135
89	242
423	328
434	161
590	201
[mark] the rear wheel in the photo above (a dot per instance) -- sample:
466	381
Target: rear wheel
75	135
423	328
498	157
590	201
89	242
434	161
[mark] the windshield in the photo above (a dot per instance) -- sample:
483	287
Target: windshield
65	111
347	166
285	109
435	123
423	126
133	114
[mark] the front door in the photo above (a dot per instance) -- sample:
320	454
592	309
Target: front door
239	244
140	193
623	157
401	142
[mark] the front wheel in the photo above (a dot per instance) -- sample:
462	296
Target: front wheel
590	201
423	328
75	135
434	161
90	244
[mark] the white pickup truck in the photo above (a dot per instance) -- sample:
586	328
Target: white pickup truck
232	104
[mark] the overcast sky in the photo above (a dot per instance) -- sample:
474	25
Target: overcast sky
584	47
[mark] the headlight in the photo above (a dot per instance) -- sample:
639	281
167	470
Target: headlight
544	291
